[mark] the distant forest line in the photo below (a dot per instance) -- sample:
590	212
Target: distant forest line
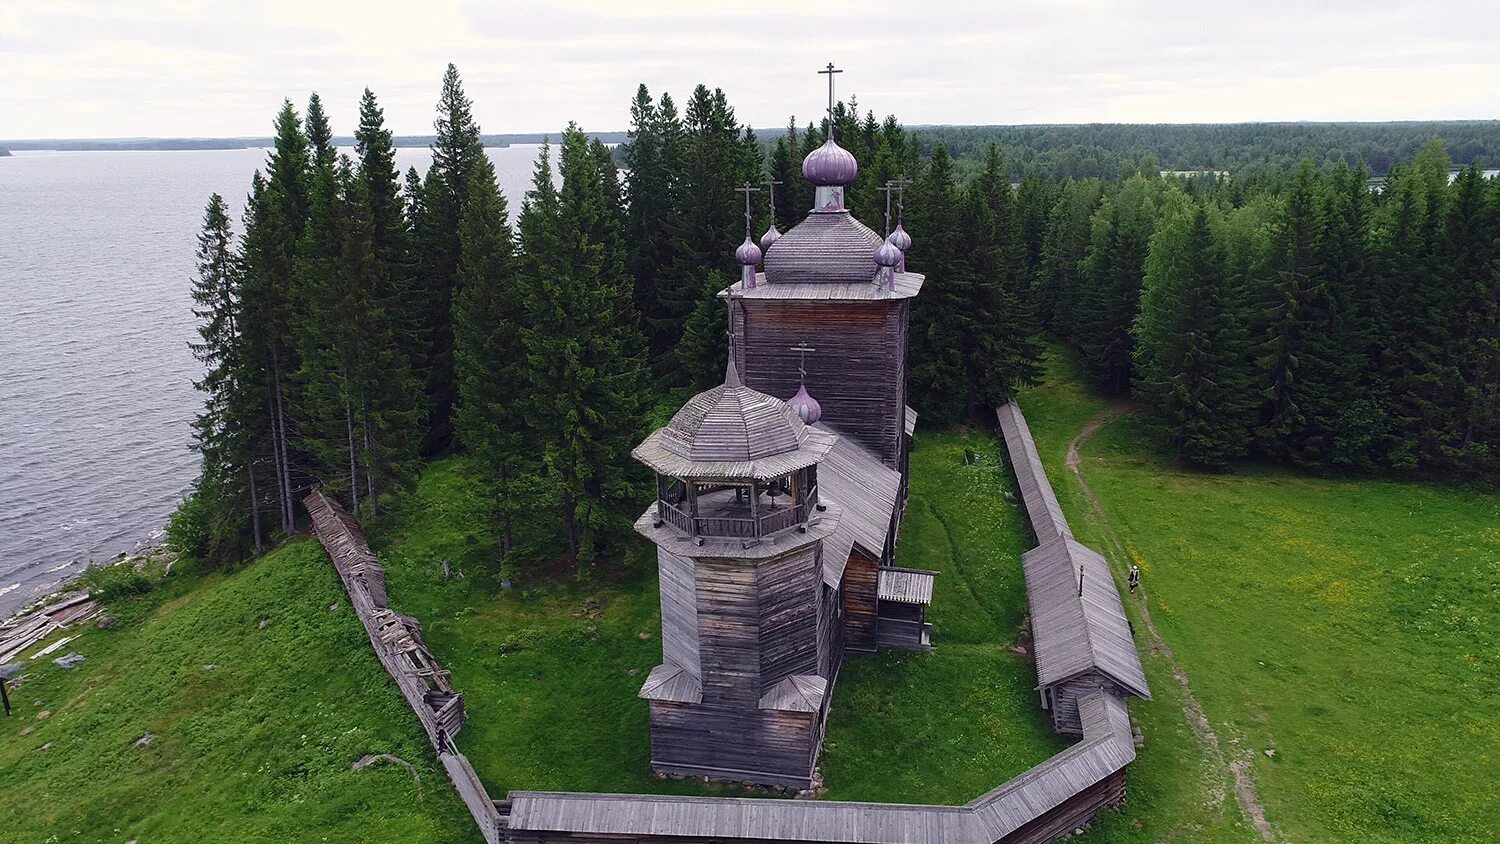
1093	150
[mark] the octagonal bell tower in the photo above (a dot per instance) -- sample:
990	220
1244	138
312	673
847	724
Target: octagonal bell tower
750	634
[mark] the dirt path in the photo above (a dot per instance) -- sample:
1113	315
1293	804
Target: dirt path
1240	768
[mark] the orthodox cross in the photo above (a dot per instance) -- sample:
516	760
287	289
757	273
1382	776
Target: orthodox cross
802	349
748	189
897	184
771	197
830	71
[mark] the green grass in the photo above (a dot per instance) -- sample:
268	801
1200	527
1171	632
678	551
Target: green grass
550	671
948	726
1349	625
258	748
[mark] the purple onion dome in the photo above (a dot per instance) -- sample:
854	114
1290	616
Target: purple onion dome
900	239
807	407
887	255
830	164
748	253
771	236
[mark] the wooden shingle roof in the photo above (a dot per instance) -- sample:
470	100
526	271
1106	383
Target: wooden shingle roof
904	286
906	586
824	248
1047	520
672	683
1072	633
866	488
1106	748
1076	627
732	431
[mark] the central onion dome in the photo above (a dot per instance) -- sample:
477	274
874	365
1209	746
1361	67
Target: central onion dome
829	165
748	254
807	407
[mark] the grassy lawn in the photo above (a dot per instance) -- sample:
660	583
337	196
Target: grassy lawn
257	748
1350	626
550	672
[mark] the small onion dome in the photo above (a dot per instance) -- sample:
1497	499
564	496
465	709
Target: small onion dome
807	407
771	236
830	164
900	239
887	255
748	254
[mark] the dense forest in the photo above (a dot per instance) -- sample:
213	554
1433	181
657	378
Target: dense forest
364	320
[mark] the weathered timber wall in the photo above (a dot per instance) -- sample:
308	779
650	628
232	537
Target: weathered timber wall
861	589
397	641
858	373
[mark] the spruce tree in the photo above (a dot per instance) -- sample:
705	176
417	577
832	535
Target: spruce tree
456	151
1284	305
583	347
319	133
1192	346
1108	299
941	320
1004	352
492	417
224	432
1065	246
396	281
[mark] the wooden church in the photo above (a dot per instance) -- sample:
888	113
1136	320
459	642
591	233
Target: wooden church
779	499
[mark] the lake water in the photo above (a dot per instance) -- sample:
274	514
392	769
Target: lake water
96	395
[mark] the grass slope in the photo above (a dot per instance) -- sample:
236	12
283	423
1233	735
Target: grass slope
256	748
1349	625
550	672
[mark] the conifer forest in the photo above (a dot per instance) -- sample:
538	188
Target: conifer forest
358	321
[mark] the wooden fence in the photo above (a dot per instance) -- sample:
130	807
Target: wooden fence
397	640
1036	807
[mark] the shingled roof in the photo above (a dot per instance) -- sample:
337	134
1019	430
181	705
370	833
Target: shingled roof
1075	627
826	247
867	490
732	431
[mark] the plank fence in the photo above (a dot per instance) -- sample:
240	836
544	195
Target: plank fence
397	640
1036	807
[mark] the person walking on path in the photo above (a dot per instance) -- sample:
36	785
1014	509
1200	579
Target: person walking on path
1135	577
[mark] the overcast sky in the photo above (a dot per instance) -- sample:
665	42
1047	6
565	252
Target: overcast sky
126	68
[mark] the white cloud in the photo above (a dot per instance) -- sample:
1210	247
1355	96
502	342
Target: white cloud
96	68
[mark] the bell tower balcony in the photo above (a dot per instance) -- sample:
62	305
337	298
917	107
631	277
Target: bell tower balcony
747	508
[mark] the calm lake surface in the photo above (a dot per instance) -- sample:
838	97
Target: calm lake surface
96	394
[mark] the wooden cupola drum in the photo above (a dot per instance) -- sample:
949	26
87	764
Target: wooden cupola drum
735	464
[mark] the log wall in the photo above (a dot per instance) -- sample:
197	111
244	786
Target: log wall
857	374
861	591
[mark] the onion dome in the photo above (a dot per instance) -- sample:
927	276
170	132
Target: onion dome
807	407
830	164
901	239
887	255
748	254
771	236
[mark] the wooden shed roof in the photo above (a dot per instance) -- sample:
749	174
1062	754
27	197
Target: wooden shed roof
672	683
866	488
906	586
797	693
1047	520
904	286
1106	748
1076	627
824	248
1072	633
